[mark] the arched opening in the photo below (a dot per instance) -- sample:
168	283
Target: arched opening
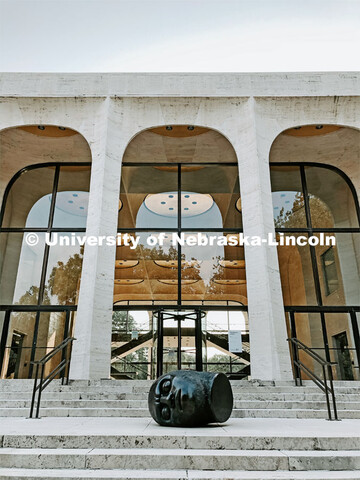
179	182
314	197
40	280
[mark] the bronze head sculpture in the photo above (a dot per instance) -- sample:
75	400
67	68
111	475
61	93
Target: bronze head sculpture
186	398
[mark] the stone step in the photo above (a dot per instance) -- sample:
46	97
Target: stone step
75	474
143	412
107	459
292	413
175	441
134	404
244	396
143	386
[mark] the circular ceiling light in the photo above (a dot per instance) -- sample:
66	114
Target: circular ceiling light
41	127
166	204
74	203
128	281
319	127
191	128
168	128
62	128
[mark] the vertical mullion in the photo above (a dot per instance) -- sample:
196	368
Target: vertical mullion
179	233
325	336
356	335
44	267
5	332
312	249
47	248
53	198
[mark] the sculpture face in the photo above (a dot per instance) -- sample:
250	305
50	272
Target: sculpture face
183	398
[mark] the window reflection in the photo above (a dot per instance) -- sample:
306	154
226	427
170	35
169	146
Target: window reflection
335	206
288	197
209	199
28	205
32	186
21	269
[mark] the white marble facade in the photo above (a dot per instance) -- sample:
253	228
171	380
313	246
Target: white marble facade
250	110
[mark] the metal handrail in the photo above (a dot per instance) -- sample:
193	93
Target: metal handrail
326	367
133	364
44	382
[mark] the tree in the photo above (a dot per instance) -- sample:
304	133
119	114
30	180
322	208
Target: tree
64	279
31	296
321	216
121	321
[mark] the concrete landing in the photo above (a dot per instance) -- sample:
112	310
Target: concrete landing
125	426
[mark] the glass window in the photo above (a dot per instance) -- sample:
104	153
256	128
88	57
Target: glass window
146	272
211	271
29	199
331	199
219	183
72	197
297	280
339	269
17	356
21	269
210	199
287	197
148	197
63	272
330	278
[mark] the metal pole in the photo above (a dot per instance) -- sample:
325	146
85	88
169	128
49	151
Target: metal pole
198	342
178	318
160	346
327	393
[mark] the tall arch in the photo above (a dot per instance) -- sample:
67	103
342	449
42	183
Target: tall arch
180	180
39	283
314	197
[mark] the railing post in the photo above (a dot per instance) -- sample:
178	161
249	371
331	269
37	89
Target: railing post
64	345
326	368
34	391
327	392
40	390
332	391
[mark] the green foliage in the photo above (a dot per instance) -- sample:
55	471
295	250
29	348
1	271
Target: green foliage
121	321
64	279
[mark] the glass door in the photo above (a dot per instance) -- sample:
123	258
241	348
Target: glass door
179	341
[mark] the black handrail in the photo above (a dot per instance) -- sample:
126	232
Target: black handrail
326	367
133	364
44	382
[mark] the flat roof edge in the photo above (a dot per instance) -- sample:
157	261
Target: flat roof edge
292	84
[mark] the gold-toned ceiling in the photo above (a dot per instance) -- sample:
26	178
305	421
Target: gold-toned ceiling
49	131
179	131
311	130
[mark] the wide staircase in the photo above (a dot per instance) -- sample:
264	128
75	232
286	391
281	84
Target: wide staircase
277	431
128	398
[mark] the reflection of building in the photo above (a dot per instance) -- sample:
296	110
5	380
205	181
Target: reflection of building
138	160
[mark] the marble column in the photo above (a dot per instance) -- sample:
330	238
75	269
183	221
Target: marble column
92	349
269	351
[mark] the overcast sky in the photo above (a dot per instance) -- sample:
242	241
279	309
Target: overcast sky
179	35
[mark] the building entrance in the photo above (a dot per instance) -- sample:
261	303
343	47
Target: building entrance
176	328
147	343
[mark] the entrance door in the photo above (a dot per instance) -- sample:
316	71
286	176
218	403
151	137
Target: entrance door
175	326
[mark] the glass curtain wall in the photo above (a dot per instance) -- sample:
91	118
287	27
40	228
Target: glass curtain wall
39	283
320	284
160	203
